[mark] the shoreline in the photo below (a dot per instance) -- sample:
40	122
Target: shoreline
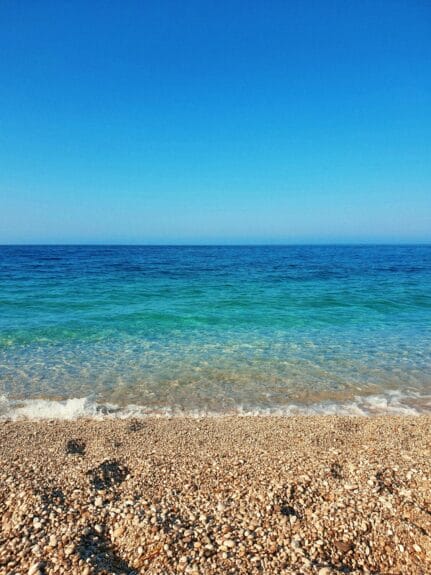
308	494
388	402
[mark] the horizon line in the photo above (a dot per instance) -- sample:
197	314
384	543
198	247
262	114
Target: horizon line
204	245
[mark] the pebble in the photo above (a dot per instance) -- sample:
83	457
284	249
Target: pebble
52	541
174	500
118	532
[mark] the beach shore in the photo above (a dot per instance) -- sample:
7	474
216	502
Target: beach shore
302	495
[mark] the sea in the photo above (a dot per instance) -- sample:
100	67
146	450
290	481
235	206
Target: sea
131	331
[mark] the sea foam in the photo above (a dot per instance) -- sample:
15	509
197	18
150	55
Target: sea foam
389	403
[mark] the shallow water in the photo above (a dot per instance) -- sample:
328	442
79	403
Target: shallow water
214	329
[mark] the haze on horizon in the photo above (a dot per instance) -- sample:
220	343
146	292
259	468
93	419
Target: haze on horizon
215	122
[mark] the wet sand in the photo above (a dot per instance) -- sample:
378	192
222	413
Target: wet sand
299	495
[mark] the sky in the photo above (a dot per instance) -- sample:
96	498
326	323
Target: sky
215	121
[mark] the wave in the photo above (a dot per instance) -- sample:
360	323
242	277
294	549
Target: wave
389	403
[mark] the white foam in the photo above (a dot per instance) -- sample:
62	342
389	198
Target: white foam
390	402
47	409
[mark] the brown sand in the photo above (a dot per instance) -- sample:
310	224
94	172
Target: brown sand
310	495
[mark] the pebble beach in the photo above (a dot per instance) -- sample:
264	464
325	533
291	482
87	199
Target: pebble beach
300	495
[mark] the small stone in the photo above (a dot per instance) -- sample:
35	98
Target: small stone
325	571
118	532
34	569
344	546
229	543
98	528
69	550
53	541
98	502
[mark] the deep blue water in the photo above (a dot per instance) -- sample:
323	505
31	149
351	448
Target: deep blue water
217	328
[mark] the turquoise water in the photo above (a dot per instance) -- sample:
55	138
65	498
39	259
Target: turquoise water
214	329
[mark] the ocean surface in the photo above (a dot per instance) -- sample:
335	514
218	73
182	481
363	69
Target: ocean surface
130	330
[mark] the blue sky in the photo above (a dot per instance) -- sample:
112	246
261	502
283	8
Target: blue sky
215	122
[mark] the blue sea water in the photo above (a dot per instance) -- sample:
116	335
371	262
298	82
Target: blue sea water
271	329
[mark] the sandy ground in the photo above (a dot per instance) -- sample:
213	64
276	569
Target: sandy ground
303	495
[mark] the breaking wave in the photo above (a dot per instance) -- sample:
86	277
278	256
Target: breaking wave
388	403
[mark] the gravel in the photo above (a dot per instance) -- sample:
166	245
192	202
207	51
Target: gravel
235	495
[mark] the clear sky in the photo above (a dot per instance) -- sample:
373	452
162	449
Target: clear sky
215	121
